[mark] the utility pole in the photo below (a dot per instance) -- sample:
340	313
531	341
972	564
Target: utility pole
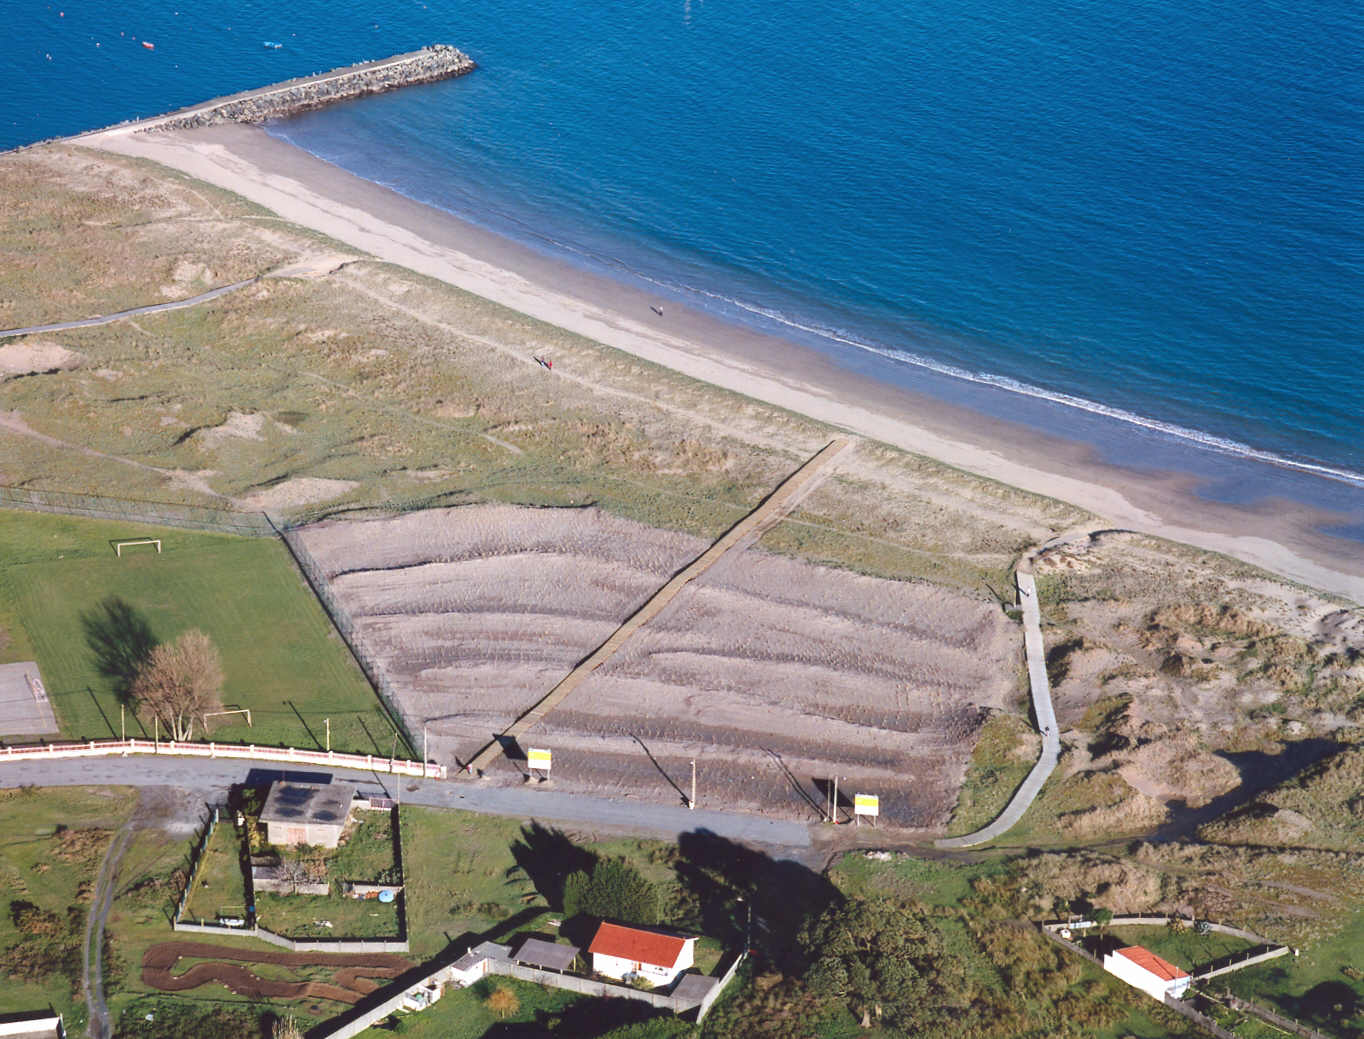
122	723
156	732
425	757
833	811
328	723
692	803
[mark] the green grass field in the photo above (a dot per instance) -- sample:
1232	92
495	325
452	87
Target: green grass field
995	772
48	878
1327	975
462	1015
1185	949
60	582
219	887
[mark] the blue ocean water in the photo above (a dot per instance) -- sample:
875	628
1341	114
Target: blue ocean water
1143	217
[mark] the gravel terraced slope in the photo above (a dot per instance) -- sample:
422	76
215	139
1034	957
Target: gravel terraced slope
773	673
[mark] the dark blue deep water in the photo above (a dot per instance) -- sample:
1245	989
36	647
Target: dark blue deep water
1145	216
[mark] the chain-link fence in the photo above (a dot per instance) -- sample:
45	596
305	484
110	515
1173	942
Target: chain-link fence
317	579
155	513
227	521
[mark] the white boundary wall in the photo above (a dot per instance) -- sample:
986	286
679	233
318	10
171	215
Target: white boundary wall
283	755
33	1024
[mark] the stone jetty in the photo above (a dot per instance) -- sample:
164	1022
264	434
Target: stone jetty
437	62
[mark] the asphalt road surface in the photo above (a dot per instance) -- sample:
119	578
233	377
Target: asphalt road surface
211	778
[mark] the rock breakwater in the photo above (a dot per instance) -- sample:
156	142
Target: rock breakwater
428	65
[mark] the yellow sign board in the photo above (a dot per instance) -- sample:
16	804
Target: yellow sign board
866	804
538	759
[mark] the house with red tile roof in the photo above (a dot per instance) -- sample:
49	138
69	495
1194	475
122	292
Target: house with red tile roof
1143	969
628	953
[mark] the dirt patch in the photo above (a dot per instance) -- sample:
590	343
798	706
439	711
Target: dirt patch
302	490
237	426
32	356
349	983
773	674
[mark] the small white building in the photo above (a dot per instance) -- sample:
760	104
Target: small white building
475	963
1143	969
627	953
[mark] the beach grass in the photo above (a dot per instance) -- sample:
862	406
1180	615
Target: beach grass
282	659
999	764
421	394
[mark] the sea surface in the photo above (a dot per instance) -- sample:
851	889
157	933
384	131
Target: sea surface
1140	225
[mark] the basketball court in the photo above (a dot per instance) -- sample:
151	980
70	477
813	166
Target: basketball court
24	707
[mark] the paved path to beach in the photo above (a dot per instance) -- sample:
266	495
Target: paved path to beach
1042	708
155	308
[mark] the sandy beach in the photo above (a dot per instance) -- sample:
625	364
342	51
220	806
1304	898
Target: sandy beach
314	194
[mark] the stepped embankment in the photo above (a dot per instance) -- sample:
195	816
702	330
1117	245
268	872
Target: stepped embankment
428	65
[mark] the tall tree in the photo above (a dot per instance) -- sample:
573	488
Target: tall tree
613	890
180	682
884	960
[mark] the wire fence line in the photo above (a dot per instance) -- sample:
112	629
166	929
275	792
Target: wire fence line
228	521
153	513
341	619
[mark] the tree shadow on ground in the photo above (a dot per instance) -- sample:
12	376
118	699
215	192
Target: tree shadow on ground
547	856
586	1017
1330	1004
733	891
120	639
1259	772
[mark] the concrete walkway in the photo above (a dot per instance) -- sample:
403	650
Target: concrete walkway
155	308
772	508
1042	708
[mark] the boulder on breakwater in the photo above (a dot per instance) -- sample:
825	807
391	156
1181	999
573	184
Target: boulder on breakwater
437	62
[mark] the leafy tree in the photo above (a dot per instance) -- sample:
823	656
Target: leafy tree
613	890
883	960
180	681
1103	917
667	1027
502	1001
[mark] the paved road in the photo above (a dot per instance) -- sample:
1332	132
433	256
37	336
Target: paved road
1046	721
211	778
105	319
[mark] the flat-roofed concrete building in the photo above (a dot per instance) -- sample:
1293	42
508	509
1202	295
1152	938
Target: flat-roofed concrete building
307	813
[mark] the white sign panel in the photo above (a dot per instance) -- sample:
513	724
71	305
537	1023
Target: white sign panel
538	759
866	804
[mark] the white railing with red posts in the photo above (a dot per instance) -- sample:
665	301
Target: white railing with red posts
289	755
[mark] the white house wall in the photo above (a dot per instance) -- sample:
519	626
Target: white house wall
1139	977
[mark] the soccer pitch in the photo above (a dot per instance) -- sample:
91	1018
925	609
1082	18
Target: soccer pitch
83	613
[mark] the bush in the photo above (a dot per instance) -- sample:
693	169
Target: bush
613	890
